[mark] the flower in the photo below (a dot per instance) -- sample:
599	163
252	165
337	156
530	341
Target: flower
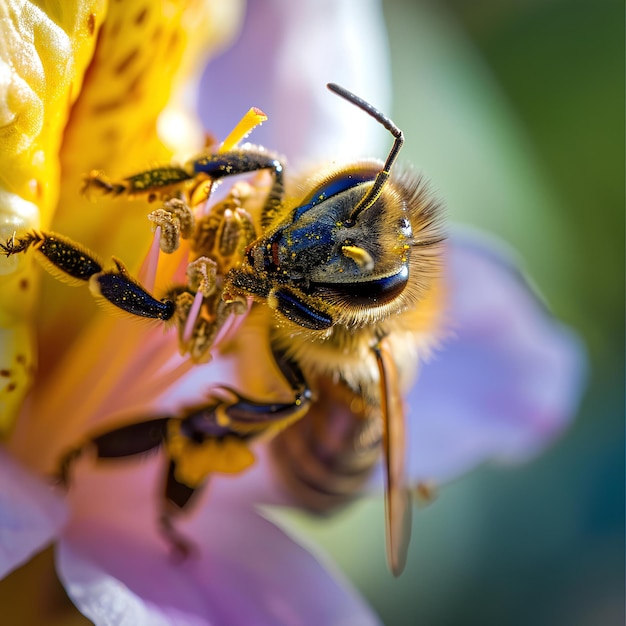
98	368
514	372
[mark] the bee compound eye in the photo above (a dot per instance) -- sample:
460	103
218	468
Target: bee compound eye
374	292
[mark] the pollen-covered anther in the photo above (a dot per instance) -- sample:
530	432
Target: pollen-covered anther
184	302
179	209
175	220
247	233
235	231
241	191
228	234
202	275
201	341
236	228
237	305
195	331
170	229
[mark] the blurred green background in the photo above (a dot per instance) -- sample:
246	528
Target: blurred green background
515	109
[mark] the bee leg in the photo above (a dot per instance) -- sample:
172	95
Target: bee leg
299	309
215	439
229	163
234	230
116	287
176	496
129	440
74	264
251	417
198	445
151	182
62	257
289	302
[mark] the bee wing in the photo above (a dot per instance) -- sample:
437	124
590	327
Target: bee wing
398	507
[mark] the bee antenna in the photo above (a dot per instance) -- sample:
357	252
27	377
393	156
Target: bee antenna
373	194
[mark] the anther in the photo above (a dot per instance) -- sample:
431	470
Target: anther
202	275
176	220
169	229
179	209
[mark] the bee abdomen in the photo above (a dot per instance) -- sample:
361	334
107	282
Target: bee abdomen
325	459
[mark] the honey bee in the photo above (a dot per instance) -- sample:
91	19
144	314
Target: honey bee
343	267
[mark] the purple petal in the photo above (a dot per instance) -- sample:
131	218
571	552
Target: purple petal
281	63
117	569
31	515
506	381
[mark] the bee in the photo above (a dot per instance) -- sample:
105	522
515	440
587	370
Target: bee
342	266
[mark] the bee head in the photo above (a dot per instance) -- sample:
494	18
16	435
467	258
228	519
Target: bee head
343	252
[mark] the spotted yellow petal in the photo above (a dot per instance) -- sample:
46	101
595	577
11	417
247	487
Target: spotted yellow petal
84	85
43	56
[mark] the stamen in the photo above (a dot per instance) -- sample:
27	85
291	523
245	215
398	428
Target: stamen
169	229
156	379
200	194
245	126
192	318
179	209
229	233
148	271
202	275
104	367
233	323
176	220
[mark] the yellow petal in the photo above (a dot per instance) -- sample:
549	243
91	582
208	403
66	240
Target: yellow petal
16	370
146	52
42	61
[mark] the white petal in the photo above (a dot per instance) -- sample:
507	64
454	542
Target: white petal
285	55
505	383
117	569
31	515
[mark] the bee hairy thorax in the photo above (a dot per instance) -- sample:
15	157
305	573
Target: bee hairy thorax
336	286
345	354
